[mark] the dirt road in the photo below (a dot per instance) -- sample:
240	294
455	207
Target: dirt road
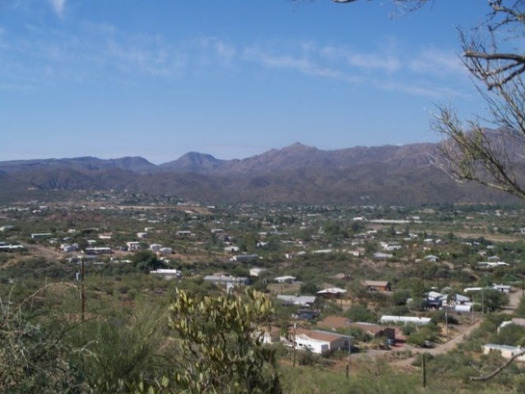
459	336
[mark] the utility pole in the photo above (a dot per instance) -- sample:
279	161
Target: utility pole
483	301
446	321
349	354
294	342
82	292
424	369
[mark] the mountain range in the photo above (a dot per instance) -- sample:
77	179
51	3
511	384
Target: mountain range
294	174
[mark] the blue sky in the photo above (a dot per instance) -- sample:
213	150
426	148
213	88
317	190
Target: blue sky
233	78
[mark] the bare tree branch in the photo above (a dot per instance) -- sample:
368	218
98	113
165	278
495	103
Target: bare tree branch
497	370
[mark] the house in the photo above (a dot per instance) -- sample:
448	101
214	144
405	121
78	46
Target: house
98	250
133	245
68	248
490	265
506	351
245	258
40	235
9	248
165	251
155	247
390	246
331	292
435	300
231	249
463	307
256	271
167	273
184	233
502	288
432	258
285	279
472	289
296	300
227	280
376	285
316	341
418	321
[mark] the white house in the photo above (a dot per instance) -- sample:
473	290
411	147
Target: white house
98	250
167	273
245	258
316	341
227	280
331	292
68	248
40	235
155	247
256	271
505	350
185	233
296	300
285	279
165	251
418	321
133	245
502	288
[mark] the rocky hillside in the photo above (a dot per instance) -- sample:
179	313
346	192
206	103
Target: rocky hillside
294	174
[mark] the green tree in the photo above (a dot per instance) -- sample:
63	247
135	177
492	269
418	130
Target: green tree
360	313
490	299
147	261
309	288
511	334
220	347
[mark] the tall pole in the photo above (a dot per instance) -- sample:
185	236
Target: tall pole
349	354
294	342
483	301
446	320
424	369
82	292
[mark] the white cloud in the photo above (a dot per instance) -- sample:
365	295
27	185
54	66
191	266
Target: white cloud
422	90
58	6
367	61
302	64
371	61
437	62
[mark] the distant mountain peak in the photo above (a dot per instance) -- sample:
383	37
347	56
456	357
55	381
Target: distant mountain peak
298	147
194	162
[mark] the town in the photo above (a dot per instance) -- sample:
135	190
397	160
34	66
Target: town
347	284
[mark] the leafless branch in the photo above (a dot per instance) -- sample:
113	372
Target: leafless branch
497	370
